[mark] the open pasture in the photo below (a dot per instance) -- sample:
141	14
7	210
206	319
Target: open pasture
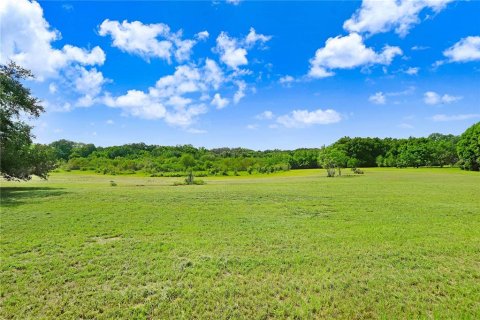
393	243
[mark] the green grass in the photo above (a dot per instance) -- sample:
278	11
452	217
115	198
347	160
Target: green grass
393	243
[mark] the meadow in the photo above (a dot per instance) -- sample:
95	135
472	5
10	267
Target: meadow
392	243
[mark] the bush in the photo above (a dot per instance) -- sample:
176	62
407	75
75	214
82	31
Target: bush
190	180
357	171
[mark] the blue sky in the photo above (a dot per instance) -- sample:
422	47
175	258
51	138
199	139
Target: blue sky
254	74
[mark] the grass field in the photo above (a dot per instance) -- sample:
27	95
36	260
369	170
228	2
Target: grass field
393	243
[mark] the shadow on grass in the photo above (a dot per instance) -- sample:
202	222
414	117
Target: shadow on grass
14	196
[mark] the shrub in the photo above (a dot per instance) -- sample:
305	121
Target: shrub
357	171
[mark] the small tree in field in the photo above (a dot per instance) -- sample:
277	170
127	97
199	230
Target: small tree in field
331	159
190	179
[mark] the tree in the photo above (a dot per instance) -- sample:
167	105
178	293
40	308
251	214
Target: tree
63	149
187	160
19	158
468	148
331	158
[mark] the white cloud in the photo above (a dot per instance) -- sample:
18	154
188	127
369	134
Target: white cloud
419	48
348	52
202	35
412	71
138	103
176	98
234	2
377	98
305	118
465	50
230	52
52	88
253	37
382	16
110	122
184	49
149	40
456	117
27	39
213	74
89	84
381	97
252	126
287	80
219	102
446	98
240	93
433	98
266	115
233	52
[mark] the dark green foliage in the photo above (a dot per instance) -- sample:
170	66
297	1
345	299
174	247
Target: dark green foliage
468	148
175	161
63	148
436	150
20	158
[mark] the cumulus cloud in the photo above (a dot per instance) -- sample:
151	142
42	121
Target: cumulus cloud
266	115
88	83
253	37
347	52
378	98
465	50
412	71
213	73
230	52
455	117
240	93
287	81
27	39
433	98
233	52
202	35
305	118
176	98
219	102
382	16
179	98
149	40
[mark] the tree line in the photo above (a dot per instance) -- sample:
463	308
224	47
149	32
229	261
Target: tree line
435	150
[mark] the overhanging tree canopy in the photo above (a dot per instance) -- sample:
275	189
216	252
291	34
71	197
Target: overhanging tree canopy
19	158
